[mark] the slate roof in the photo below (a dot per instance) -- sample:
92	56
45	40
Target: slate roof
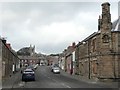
116	25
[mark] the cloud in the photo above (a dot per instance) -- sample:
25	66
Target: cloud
51	27
58	1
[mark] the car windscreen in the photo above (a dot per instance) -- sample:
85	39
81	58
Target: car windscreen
56	65
56	68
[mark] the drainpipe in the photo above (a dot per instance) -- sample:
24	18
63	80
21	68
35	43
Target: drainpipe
114	64
89	76
71	64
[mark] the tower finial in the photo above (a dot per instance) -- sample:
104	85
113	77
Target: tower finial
106	3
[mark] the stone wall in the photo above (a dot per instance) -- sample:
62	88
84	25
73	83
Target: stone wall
99	54
0	63
9	58
95	62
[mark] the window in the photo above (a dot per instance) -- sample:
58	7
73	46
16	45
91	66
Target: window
105	38
94	67
94	44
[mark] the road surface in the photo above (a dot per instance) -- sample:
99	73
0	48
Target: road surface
46	79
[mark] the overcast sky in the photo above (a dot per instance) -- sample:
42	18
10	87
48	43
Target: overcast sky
50	26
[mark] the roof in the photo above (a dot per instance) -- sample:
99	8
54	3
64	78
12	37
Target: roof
116	25
29	57
92	35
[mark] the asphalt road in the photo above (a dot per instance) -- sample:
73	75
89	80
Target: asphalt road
46	79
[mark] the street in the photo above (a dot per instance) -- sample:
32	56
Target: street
46	79
77	40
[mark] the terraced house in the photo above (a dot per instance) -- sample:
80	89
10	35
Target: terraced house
9	59
28	56
98	55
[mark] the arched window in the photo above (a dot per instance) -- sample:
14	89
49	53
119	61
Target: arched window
105	38
94	44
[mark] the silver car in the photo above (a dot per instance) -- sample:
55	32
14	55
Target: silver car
56	70
53	66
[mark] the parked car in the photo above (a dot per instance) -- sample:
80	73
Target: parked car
31	67
28	74
56	70
53	66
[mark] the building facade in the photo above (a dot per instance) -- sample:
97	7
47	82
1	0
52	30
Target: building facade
61	60
98	55
28	56
69	62
52	59
28	60
0	63
10	60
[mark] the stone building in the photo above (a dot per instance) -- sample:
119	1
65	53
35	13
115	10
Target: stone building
28	60
52	59
0	63
10	60
61	60
27	51
98	55
69	62
28	56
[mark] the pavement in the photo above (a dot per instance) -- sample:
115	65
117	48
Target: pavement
109	84
9	82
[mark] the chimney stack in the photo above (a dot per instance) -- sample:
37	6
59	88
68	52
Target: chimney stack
4	41
8	45
73	44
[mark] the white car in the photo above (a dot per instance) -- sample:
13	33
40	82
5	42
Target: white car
53	66
56	70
